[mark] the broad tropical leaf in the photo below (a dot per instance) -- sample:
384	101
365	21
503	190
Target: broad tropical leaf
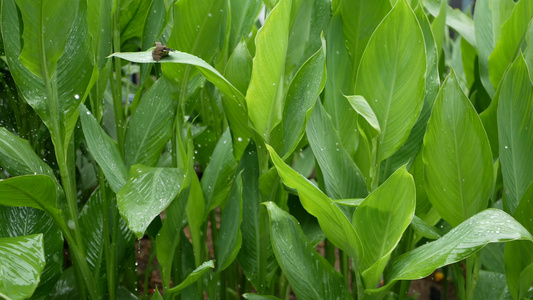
391	77
515	124
457	156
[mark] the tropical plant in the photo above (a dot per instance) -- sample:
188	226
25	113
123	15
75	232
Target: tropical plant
327	149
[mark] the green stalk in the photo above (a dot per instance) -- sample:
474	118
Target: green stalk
344	266
459	281
445	272
116	85
78	257
472	271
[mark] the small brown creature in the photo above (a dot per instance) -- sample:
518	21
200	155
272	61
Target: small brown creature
160	51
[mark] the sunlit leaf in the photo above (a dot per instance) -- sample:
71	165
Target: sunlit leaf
265	93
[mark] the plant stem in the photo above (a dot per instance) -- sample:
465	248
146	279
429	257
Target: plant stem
472	271
116	85
445	272
78	257
107	242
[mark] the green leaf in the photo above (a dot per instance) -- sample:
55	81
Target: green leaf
391	77
155	20
21	262
458	160
56	97
512	36
99	24
518	256
239	67
230	236
339	82
168	238
309	19
255	257
491	285
258	297
301	97
389	209
438	26
488	19
342	178
456	19
24	221
146	194
359	20
150	126
42	195
195	208
104	150
191	278
309	274
265	94
489	226
333	222
196	31
424	229
18	158
243	15
91	221
237	115
410	149
515	124
360	105
47	24
219	173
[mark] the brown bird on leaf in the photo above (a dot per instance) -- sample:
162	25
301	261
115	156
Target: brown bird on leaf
160	51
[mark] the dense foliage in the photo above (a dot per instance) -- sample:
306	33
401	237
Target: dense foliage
333	149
